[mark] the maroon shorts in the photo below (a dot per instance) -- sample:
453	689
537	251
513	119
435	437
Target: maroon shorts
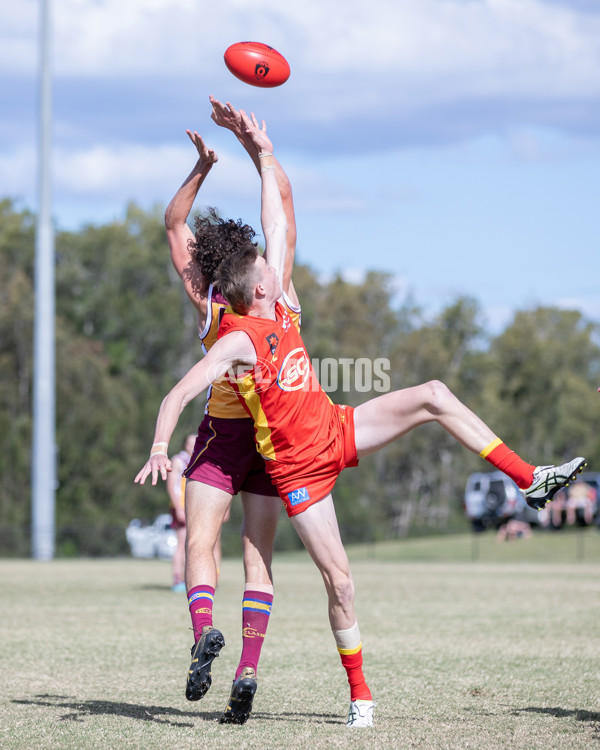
225	457
305	482
175	524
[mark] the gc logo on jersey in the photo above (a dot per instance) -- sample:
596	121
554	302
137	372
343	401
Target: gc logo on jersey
294	371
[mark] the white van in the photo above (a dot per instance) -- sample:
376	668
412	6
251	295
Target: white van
157	540
492	498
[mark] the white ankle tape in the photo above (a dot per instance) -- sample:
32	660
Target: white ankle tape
347	639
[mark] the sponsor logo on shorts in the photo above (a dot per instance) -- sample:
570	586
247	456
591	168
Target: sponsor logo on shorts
298	496
295	370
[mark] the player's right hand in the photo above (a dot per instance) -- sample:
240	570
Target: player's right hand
155	465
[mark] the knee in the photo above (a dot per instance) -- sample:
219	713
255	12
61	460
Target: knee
197	546
436	397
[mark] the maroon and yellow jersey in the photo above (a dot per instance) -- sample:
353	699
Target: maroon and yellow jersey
222	401
291	412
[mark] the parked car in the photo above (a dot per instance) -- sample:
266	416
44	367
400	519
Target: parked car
158	539
491	498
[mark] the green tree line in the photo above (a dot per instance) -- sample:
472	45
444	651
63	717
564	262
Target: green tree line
125	333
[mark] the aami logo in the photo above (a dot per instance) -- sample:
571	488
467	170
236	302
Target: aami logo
294	371
298	496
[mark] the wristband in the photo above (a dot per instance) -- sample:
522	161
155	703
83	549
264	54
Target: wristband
266	169
159	453
265	153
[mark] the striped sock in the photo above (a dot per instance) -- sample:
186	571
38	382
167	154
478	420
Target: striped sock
256	610
200	601
501	456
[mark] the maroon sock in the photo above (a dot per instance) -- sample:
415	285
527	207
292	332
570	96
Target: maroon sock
256	609
200	601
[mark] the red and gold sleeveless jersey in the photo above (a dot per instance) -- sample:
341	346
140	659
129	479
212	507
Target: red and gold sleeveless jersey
222	400
291	411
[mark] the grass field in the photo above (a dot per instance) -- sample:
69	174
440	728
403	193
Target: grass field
463	649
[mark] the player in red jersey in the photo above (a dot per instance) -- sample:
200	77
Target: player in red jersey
224	461
306	439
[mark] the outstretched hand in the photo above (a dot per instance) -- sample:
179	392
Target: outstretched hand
155	465
227	116
257	132
206	155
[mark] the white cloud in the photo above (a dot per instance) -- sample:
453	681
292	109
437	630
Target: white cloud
587	304
442	46
19	37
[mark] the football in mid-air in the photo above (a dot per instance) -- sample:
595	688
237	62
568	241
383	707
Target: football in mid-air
257	64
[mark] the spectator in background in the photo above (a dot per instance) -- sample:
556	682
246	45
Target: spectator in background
513	529
581	503
176	490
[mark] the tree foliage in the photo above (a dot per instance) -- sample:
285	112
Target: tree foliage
126	333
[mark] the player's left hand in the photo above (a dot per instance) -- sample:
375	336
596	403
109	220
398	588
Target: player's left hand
227	116
257	132
155	465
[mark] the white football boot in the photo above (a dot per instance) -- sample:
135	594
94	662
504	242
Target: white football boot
547	480
361	714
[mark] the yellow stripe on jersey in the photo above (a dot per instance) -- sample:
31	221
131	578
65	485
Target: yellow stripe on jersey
247	386
222	400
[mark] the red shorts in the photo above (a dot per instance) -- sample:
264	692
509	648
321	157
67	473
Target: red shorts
225	457
304	483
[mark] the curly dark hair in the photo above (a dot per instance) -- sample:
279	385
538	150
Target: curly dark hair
216	239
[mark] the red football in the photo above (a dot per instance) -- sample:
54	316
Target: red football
257	64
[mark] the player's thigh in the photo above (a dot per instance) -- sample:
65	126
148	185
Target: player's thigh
318	529
205	508
384	419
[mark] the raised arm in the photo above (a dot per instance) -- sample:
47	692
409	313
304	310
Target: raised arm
272	215
179	233
226	116
234	349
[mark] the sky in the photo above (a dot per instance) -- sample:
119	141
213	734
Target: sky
454	144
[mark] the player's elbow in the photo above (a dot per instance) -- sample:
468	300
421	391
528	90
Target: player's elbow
169	217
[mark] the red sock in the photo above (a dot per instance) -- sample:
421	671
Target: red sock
352	663
200	601
500	456
256	610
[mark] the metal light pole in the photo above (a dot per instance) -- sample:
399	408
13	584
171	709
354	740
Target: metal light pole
43	463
